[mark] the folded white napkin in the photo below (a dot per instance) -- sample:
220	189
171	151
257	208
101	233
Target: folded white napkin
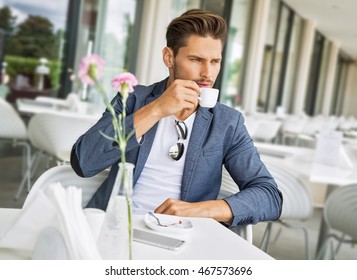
57	207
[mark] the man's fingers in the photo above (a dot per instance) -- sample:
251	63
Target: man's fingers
169	207
162	208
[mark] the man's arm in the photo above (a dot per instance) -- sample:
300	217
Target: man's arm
259	198
93	153
215	209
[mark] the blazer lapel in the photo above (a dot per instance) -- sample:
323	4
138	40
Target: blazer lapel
194	149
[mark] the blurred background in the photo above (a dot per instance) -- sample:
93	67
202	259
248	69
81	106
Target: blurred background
291	60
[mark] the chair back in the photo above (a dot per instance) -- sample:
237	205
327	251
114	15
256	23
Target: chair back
67	177
229	187
313	125
297	202
340	210
267	130
11	124
55	133
251	124
293	124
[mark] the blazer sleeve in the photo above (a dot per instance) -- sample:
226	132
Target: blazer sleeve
92	152
259	198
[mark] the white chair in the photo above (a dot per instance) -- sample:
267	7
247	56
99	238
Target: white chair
340	214
307	136
251	124
67	177
13	129
229	187
267	131
55	133
297	206
291	128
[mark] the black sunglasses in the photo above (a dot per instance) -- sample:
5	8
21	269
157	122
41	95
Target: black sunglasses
176	151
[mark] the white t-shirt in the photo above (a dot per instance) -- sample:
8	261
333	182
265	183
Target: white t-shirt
161	177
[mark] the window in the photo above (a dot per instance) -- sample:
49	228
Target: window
322	78
33	30
178	7
339	85
314	74
280	58
232	67
115	37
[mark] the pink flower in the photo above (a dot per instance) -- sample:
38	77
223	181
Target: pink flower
124	82
91	69
90	72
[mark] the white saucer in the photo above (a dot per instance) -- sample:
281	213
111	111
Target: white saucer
176	225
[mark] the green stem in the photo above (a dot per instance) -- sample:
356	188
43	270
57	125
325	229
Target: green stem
118	121
126	188
128	202
121	139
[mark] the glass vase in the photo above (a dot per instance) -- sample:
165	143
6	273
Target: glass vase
84	93
116	237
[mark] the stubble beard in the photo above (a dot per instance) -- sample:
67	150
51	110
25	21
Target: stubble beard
177	75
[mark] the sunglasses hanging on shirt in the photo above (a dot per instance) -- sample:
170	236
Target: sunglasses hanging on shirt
176	151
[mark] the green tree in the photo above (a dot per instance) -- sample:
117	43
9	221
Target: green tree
34	38
7	20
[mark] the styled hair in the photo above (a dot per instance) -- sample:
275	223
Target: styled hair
195	22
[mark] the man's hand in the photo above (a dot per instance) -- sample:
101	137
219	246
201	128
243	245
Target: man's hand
180	98
216	209
180	95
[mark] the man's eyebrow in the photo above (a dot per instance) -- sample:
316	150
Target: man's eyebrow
199	57
194	56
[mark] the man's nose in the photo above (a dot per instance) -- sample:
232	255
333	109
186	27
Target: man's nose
207	70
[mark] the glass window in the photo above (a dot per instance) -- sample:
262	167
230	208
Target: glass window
107	28
272	55
268	56
280	58
113	37
33	30
286	100
234	52
339	85
314	81
322	78
178	7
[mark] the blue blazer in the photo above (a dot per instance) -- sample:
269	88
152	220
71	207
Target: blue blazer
218	138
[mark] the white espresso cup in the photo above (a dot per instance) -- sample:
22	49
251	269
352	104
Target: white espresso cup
208	97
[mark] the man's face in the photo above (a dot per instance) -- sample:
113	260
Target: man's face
199	61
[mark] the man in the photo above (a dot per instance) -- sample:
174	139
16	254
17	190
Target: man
179	147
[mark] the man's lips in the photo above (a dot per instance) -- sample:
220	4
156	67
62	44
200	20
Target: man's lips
204	84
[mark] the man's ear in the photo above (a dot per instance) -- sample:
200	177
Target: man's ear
168	57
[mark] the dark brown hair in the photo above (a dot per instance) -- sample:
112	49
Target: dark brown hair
195	22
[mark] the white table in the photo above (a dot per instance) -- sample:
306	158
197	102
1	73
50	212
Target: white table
50	105
209	241
301	162
33	106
